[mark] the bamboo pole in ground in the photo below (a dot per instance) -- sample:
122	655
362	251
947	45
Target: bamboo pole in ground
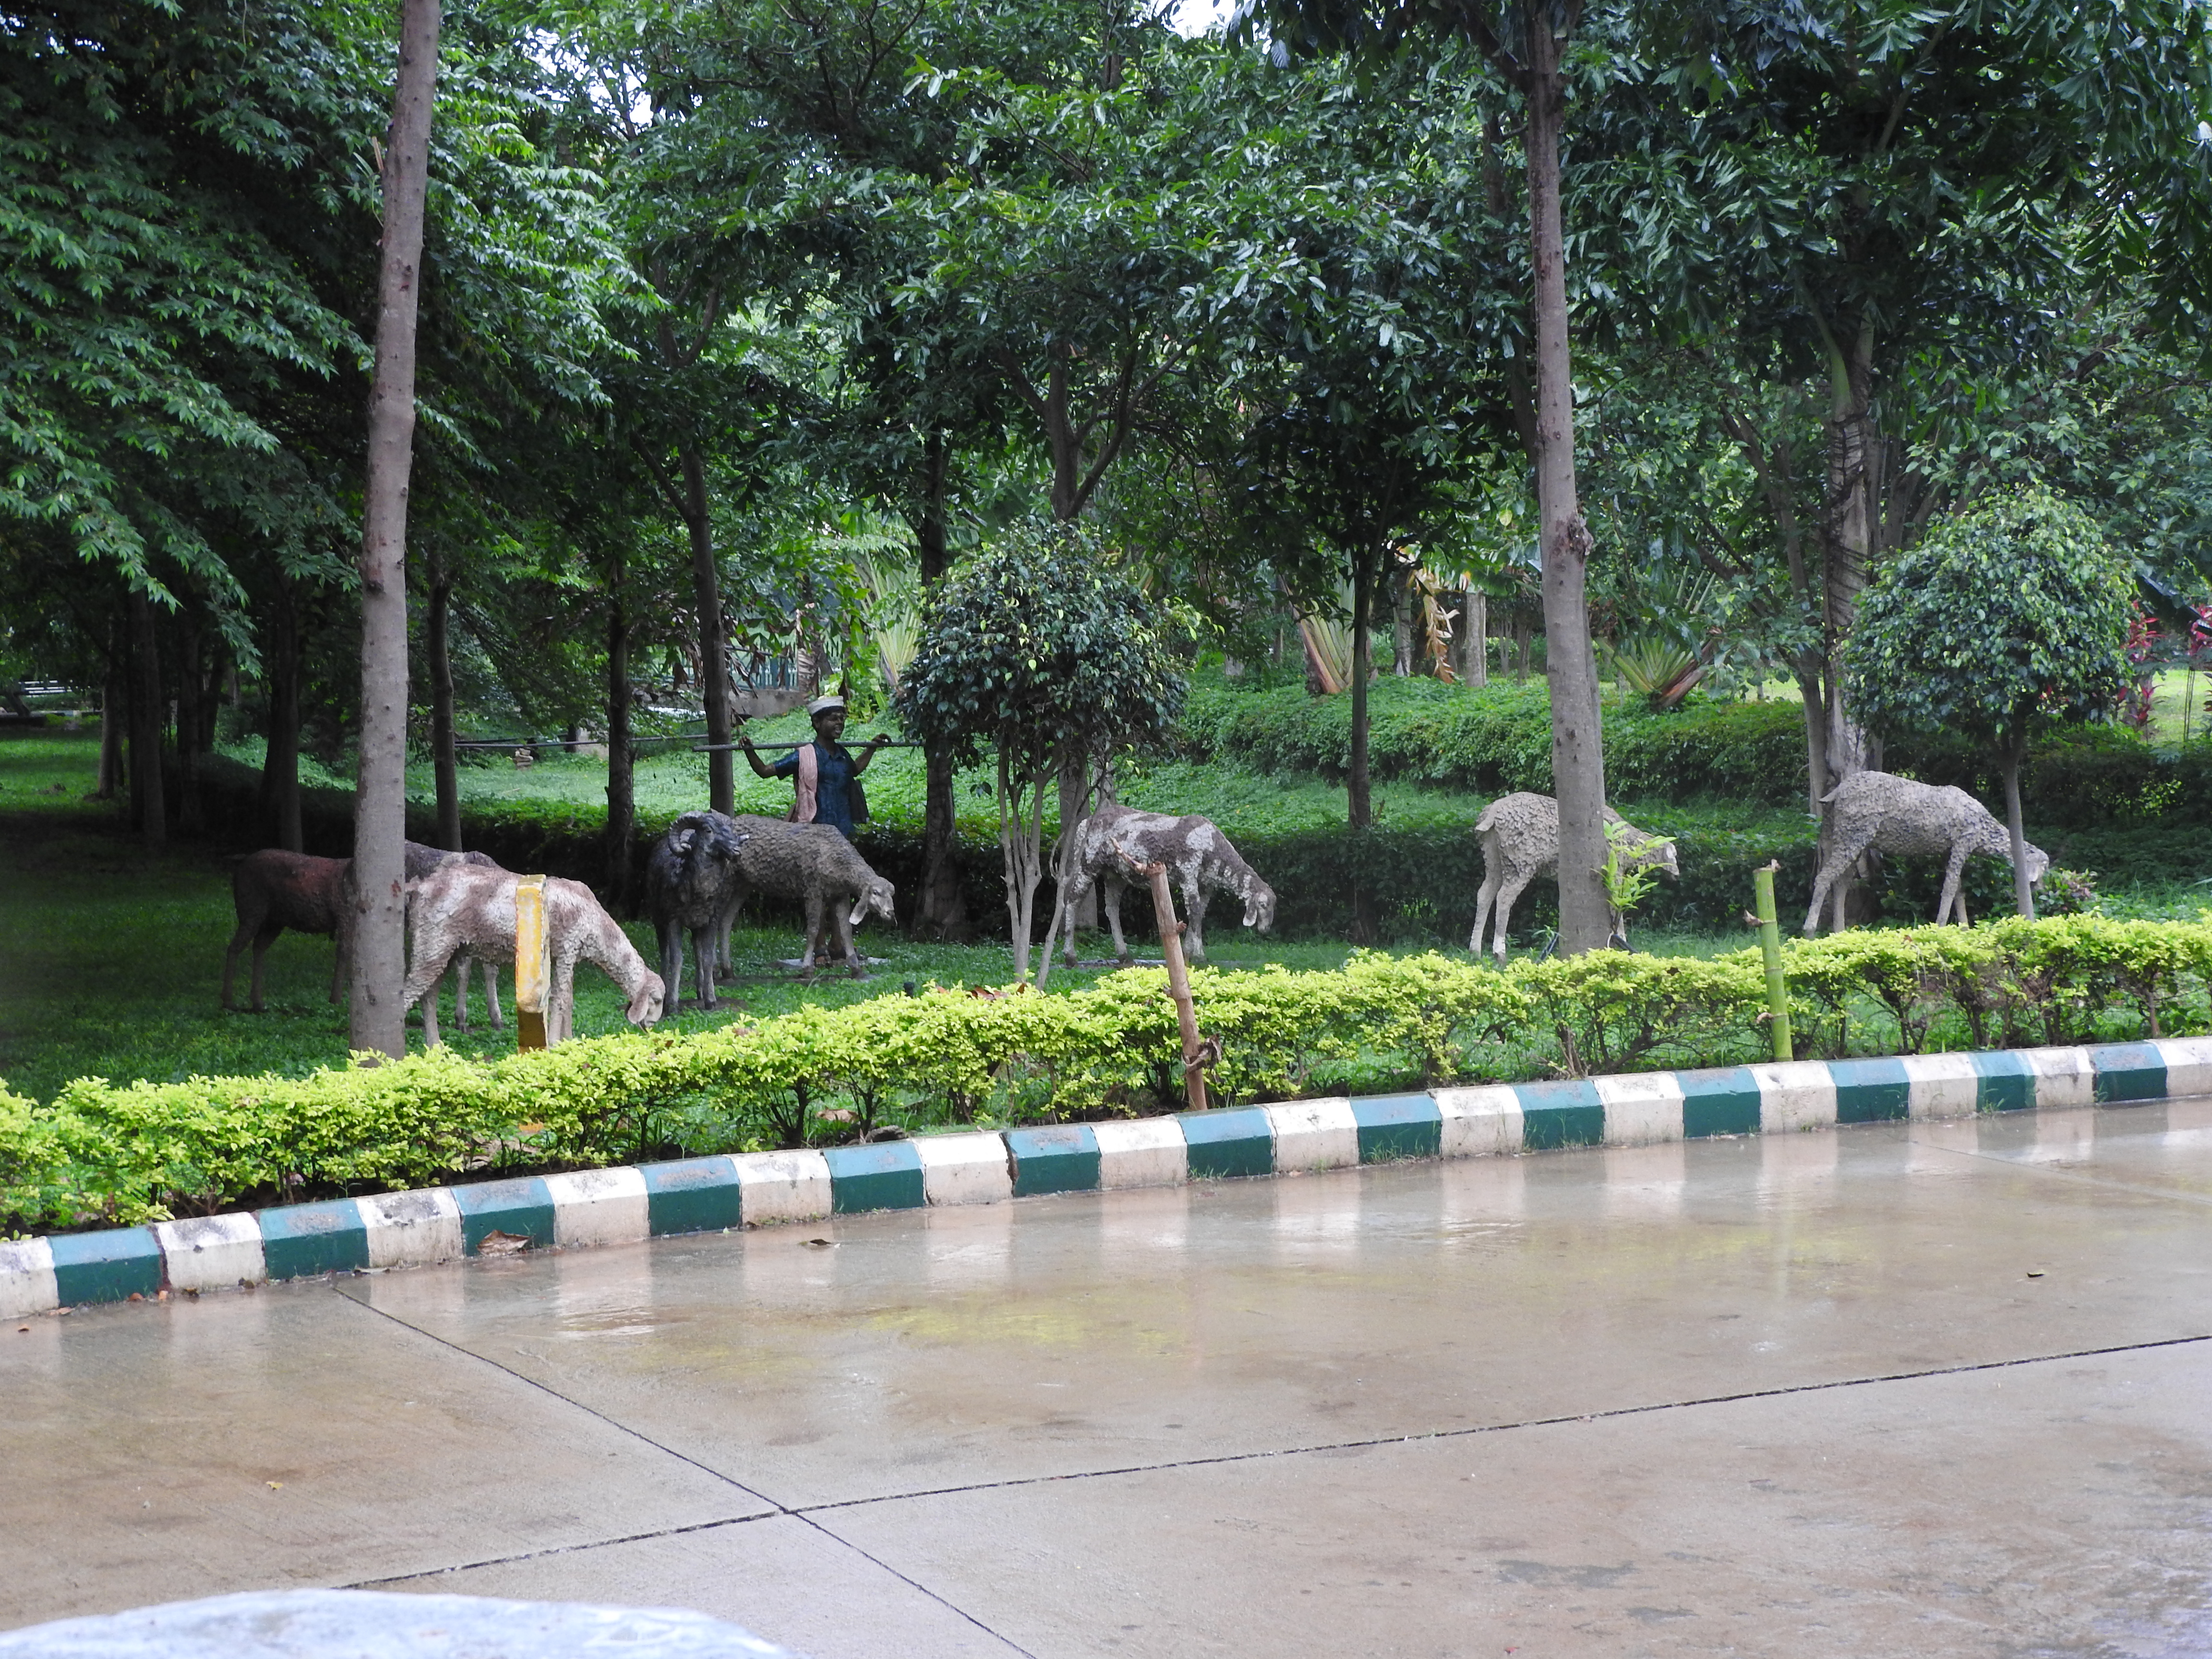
1770	946
1198	1053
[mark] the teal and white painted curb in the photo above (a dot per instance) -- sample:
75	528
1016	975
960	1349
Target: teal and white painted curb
701	1194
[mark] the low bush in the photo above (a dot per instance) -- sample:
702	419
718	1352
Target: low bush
104	1154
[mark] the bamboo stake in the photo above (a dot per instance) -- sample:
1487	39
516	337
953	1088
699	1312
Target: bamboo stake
1198	1053
1770	946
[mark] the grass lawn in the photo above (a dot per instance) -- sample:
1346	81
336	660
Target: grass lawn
111	960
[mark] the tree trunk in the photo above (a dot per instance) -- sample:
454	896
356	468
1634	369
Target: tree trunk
1847	530
149	813
280	765
1359	794
2023	893
191	698
442	760
1475	637
621	840
943	913
114	703
1578	751
376	1020
1814	699
1074	780
714	647
1400	586
1021	836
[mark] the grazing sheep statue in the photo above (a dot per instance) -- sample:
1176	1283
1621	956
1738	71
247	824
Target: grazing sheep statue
273	889
1521	842
461	907
1900	816
814	865
420	862
691	886
1199	859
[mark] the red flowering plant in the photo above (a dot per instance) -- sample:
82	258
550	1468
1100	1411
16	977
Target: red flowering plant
2146	647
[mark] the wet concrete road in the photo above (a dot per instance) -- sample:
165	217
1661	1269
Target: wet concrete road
1943	1390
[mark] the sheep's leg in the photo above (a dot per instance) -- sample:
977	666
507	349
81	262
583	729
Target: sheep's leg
840	921
460	992
815	902
491	993
421	987
1955	895
1509	894
671	965
561	1023
262	941
702	950
1193	910
239	941
1840	858
1113	890
1484	898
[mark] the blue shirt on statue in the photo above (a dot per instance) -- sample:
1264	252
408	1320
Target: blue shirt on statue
838	801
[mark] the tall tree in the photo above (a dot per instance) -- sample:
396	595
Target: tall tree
1528	44
377	1019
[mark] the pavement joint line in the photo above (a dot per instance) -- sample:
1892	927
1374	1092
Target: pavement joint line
1647	1409
776	1509
547	1389
560	1549
631	1204
943	1601
2075	1177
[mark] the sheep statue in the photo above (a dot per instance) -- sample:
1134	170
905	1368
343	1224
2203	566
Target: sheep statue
691	886
814	865
461	907
273	889
1882	813
1520	837
1200	861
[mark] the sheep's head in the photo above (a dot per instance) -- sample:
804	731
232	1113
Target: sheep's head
645	1007
2038	865
1260	907
876	900
1663	857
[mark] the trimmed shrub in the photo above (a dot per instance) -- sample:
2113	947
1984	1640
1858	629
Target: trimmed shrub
101	1155
1496	738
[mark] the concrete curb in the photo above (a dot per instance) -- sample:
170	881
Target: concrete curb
625	1205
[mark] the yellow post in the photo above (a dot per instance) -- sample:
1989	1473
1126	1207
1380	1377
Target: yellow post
1770	946
533	962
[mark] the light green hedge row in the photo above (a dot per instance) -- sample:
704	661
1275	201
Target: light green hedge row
124	1154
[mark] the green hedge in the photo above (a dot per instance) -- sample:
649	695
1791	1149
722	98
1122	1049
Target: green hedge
104	1154
1496	738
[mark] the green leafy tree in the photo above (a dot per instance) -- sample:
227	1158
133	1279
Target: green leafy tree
2008	616
1545	50
1034	647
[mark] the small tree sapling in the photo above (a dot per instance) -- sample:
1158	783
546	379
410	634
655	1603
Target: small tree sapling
1032	648
2012	615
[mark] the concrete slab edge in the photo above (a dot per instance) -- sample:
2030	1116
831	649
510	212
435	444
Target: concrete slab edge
654	1200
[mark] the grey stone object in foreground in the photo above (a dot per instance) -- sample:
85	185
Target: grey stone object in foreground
367	1625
